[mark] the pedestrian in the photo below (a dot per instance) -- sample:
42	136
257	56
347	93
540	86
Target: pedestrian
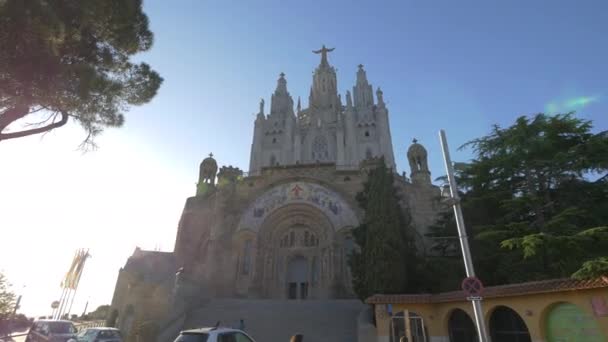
297	338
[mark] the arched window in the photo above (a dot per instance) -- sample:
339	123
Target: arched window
461	328
246	258
397	327
320	148
368	154
292	238
306	239
273	160
367	133
507	326
579	323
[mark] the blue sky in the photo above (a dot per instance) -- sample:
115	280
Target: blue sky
460	65
457	65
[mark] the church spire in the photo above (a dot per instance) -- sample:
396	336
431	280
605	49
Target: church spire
281	85
380	96
361	76
362	91
349	100
281	101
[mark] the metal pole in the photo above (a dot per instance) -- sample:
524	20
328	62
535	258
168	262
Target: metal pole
84	312
72	302
462	234
56	310
64	304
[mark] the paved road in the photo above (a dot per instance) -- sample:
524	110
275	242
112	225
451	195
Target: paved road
16	339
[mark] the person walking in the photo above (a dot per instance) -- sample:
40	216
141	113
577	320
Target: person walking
297	338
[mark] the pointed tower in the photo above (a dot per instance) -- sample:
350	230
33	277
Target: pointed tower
384	130
258	136
362	91
419	169
281	102
273	135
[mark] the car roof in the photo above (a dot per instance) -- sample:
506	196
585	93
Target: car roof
208	330
53	321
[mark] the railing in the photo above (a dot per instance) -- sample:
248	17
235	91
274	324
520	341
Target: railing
80	326
10	338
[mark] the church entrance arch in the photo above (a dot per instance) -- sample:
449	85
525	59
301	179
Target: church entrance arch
329	202
299	228
297	278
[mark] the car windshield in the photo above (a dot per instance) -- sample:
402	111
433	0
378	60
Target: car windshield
185	337
108	334
62	328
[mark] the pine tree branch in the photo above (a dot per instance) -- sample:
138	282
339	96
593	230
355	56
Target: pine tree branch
53	125
12	114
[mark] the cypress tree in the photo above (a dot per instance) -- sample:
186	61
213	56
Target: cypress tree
385	259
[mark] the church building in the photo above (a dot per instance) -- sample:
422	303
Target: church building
281	231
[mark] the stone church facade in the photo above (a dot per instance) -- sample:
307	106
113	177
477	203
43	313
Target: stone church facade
283	230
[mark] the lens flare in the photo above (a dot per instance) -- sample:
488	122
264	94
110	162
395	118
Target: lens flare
571	104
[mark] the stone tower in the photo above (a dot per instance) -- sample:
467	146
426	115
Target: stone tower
325	132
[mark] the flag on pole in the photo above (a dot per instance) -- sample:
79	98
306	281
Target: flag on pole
72	277
68	276
79	267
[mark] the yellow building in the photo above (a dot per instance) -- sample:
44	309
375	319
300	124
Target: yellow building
559	310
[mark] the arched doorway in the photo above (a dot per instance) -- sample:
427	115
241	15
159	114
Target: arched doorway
461	327
507	326
567	322
297	278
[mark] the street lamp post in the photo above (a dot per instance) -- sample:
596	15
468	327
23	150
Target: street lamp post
454	200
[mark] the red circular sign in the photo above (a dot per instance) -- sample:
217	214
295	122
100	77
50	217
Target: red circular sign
472	286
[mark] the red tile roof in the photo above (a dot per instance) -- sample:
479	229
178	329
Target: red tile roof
533	287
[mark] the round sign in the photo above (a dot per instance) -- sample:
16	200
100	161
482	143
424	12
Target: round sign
472	287
55	304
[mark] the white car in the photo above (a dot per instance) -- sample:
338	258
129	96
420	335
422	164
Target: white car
218	334
99	335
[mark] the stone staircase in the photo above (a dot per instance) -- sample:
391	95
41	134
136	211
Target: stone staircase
268	320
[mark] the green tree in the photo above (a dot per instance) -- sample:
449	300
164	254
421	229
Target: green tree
7	298
386	258
7	304
535	198
111	319
102	312
71	59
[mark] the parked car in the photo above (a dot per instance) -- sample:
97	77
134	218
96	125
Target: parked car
214	335
101	334
52	331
